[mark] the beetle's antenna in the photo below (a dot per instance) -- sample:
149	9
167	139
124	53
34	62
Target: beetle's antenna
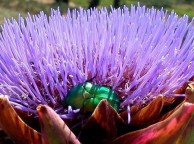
85	99
91	79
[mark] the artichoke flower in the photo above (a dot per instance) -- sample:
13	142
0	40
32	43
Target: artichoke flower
144	56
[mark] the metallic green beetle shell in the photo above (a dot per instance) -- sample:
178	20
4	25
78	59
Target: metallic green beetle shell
86	96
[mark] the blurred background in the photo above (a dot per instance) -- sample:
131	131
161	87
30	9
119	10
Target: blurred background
11	8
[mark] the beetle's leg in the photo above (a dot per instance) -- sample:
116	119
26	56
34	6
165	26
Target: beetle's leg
86	91
83	105
84	87
85	99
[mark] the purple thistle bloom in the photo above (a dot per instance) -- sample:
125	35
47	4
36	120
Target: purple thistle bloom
139	52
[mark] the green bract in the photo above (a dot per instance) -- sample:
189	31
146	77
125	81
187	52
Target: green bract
86	96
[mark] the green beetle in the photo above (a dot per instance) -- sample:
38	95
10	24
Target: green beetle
86	96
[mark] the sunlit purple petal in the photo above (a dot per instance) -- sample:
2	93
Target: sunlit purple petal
138	52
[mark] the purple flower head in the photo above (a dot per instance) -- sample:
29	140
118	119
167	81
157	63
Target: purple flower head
138	52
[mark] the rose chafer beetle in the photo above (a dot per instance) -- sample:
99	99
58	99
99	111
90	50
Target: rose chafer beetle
86	96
